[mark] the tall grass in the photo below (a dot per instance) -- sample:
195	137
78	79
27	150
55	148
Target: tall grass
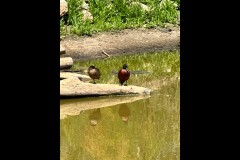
119	14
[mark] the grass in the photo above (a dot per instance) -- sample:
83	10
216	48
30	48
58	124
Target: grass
110	15
161	67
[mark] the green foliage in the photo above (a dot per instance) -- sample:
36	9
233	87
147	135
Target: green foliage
119	14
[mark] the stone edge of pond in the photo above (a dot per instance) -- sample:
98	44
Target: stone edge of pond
75	88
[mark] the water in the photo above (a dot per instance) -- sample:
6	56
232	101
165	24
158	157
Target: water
124	127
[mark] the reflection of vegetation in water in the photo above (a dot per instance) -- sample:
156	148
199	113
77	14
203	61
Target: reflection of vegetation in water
152	130
161	65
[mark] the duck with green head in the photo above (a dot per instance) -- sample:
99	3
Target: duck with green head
123	75
94	73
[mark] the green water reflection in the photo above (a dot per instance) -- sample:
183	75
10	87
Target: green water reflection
146	129
126	128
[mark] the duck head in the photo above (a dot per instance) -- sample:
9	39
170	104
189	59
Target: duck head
91	67
125	66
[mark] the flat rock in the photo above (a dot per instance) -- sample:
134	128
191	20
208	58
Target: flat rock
73	87
66	62
82	77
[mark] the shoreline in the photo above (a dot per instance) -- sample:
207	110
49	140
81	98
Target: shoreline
128	41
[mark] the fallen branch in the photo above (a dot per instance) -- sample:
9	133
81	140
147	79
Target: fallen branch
105	53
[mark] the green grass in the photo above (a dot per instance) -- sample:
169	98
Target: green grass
160	65
110	15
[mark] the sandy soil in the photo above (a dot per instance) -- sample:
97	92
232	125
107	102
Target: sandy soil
128	41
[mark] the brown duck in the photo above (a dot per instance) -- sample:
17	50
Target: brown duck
94	73
123	75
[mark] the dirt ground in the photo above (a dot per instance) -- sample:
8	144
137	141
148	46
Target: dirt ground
128	41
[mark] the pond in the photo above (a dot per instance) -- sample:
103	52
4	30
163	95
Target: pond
126	127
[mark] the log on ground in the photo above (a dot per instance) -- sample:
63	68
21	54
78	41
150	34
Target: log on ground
66	62
73	87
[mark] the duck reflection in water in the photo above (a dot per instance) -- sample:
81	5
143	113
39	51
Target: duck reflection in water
95	117
124	113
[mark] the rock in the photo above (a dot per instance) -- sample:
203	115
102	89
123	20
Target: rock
63	8
62	50
87	15
143	6
73	87
65	75
66	62
85	6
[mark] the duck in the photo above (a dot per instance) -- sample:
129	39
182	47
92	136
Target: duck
123	75
94	73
